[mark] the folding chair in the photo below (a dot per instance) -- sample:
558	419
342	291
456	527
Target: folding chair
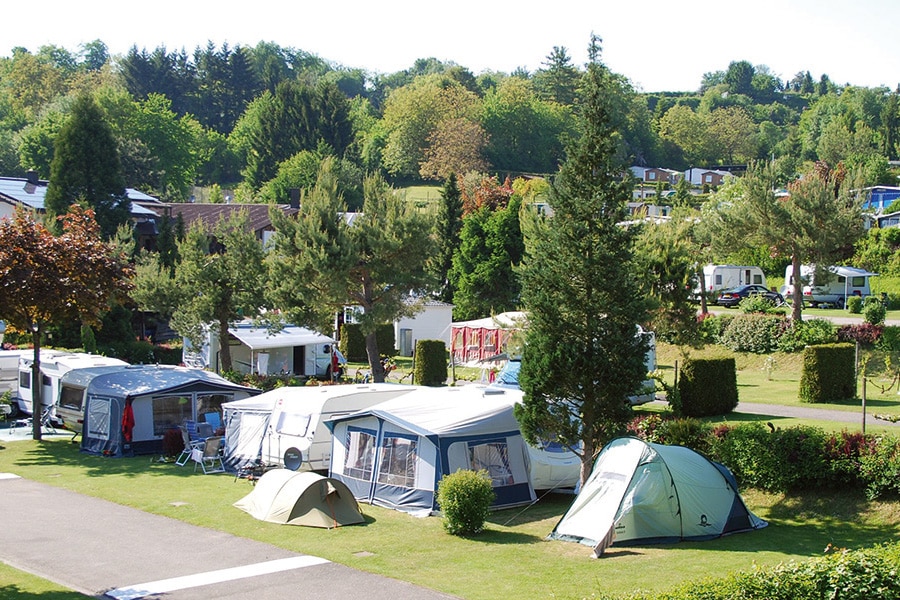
209	456
189	446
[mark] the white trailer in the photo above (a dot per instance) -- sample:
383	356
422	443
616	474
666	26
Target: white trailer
54	364
833	285
725	277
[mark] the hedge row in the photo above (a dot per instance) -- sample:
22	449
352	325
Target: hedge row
866	574
781	460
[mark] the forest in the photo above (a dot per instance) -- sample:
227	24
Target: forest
258	120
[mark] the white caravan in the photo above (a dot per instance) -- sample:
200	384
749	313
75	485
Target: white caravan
265	427
838	285
725	277
54	364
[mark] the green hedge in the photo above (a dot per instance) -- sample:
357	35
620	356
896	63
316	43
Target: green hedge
353	342
866	574
706	387
465	499
431	363
756	333
829	373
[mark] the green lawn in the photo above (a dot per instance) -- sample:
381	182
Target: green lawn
513	557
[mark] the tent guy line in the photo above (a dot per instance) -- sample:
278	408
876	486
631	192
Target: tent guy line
141	590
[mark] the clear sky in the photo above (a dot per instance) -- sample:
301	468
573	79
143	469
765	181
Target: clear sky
660	45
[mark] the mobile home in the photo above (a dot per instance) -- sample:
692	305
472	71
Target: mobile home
292	350
832	285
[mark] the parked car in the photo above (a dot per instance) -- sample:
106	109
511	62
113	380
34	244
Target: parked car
731	298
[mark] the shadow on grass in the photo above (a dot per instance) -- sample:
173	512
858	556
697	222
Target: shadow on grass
548	506
64	454
492	536
14	591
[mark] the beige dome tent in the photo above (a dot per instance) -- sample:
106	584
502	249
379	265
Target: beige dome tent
305	498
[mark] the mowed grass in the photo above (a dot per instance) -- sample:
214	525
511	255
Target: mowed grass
512	558
775	379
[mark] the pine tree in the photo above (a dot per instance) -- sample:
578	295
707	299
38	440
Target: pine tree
447	228
582	356
86	169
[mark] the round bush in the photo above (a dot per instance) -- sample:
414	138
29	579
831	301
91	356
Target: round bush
874	311
465	498
854	305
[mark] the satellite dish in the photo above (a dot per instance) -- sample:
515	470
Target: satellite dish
293	458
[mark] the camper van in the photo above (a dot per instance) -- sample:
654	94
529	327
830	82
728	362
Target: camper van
724	277
54	364
293	418
831	288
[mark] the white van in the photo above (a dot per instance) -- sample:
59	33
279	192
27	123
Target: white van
834	289
725	277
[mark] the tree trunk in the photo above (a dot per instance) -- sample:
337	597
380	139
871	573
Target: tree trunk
703	307
37	386
797	307
587	459
374	358
224	347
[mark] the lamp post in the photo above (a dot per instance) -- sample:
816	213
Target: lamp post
36	383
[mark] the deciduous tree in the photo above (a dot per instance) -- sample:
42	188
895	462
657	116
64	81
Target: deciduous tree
46	280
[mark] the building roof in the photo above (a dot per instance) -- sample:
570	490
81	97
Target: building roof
29	192
210	214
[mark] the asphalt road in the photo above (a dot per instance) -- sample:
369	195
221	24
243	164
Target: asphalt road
111	551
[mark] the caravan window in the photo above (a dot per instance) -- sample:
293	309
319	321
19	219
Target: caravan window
169	412
718	278
71	397
360	454
292	424
25	380
398	461
857	281
757	279
493	457
209	408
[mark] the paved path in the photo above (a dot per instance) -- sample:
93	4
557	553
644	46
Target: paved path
111	551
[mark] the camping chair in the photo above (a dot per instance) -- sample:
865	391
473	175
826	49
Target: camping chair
189	446
209	456
46	422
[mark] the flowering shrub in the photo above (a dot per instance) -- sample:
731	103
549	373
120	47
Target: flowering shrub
865	334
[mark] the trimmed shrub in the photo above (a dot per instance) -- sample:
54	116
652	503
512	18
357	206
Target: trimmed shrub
865	334
854	305
353	342
874	311
775	460
829	373
690	432
754	333
798	335
844	452
465	498
431	363
866	574
706	387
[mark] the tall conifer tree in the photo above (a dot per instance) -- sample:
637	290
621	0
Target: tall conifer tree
582	356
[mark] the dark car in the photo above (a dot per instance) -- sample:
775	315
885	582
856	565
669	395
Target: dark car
731	298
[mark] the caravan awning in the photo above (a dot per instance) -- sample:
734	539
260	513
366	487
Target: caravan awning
258	338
